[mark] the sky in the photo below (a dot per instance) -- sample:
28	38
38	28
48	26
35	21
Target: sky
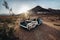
19	6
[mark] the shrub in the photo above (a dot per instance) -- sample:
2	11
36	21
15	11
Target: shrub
7	34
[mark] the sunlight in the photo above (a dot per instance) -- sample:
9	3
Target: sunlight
23	9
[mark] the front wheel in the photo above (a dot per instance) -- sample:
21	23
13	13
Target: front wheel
29	28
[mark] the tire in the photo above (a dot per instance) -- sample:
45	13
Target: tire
29	28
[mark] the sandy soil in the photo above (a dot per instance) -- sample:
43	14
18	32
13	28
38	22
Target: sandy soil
42	32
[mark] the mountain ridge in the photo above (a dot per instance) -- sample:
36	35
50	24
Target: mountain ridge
41	9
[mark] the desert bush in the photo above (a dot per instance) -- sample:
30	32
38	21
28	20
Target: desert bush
7	33
57	24
8	20
2	20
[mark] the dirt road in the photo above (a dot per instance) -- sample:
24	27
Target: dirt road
42	32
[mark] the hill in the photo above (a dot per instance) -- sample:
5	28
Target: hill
41	10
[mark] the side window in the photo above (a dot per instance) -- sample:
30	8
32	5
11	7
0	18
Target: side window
34	19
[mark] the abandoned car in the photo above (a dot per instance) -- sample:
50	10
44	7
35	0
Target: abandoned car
29	24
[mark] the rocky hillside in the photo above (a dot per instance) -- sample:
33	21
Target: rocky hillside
41	10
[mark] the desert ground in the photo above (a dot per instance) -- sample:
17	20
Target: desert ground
48	30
